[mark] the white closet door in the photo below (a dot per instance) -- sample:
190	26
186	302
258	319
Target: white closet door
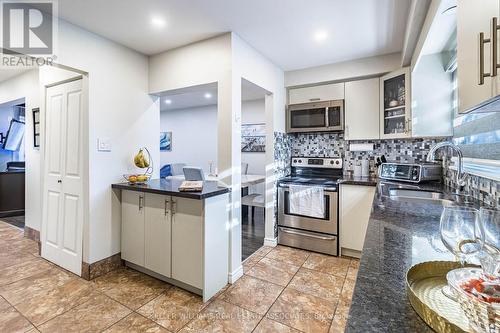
62	224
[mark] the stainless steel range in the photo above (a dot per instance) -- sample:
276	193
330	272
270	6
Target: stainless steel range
310	230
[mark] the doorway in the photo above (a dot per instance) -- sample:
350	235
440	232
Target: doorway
12	162
253	167
188	131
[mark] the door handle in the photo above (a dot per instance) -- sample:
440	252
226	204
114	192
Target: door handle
59	181
140	202
167	203
314	99
307	235
482	74
494	51
173	207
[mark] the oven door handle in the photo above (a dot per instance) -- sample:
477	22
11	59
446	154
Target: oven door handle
327	189
308	235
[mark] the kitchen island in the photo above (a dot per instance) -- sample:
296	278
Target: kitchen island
178	237
400	234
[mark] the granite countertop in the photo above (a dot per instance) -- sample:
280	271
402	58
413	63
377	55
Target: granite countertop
352	180
171	187
11	172
399	235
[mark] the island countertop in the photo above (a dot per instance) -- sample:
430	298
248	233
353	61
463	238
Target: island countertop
171	187
399	235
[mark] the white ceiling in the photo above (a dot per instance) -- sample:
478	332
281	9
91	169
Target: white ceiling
193	97
282	30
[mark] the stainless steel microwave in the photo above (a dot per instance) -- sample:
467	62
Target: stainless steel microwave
316	117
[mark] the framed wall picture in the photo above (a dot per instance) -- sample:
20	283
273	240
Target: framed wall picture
36	127
165	141
253	138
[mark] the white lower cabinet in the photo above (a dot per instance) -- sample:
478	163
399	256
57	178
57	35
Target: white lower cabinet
355	207
133	227
187	245
158	234
183	240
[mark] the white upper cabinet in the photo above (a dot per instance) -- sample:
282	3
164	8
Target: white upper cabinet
395	102
325	92
362	110
474	52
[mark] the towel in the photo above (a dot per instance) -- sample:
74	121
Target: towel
307	201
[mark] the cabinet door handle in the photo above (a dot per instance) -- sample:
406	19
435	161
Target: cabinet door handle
494	51
173	207
314	99
141	202
167	203
482	74
407	126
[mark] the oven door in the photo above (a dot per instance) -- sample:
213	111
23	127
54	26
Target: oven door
336	116
309	117
328	224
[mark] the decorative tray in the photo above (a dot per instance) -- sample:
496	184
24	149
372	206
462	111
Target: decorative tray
424	282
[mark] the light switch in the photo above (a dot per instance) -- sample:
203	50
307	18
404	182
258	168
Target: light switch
104	144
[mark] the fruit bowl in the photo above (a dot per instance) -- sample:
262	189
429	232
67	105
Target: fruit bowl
135	179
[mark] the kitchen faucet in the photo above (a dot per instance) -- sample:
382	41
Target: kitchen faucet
461	175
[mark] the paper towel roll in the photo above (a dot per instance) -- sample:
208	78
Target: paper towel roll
365	168
357	170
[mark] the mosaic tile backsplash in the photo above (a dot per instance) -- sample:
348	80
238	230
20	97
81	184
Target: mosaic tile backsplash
398	150
483	189
334	145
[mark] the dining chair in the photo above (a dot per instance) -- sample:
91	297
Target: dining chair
176	168
192	173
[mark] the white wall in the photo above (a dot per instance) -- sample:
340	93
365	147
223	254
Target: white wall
341	71
254	112
120	109
254	67
194	136
26	86
199	63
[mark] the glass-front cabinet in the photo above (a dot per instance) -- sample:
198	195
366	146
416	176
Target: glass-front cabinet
395	105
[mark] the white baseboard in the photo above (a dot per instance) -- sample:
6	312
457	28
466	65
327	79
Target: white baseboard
234	276
270	242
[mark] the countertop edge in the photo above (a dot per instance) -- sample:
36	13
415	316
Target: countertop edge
188	195
363	181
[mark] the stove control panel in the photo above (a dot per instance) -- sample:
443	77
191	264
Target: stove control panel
317	162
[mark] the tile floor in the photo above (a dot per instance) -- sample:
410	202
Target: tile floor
282	290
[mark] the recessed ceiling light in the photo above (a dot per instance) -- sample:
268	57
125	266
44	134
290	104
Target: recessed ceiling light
158	22
208	95
320	35
168	101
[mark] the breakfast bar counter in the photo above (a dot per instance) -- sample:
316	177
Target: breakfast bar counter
179	237
400	234
171	187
